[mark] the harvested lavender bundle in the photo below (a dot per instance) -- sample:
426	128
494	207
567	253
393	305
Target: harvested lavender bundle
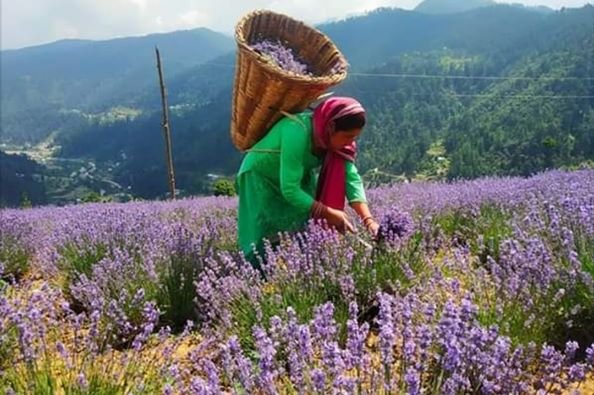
288	60
282	56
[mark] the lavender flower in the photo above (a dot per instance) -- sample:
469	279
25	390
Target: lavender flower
395	226
319	380
267	353
282	56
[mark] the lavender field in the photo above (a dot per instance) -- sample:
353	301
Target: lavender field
479	287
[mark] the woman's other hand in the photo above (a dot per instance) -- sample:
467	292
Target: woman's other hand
367	219
372	227
339	219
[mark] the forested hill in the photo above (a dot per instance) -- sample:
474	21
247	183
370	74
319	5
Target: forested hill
44	86
494	90
451	6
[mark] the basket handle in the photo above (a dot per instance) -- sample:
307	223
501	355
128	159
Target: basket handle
293	117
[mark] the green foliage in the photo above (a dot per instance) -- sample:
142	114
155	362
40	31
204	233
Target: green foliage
41	381
223	187
14	258
576	307
522	325
8	341
21	181
482	232
34	94
435	166
503	134
76	260
25	201
451	6
486	126
176	293
90	373
94	197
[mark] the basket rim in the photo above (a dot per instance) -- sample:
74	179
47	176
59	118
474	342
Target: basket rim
276	69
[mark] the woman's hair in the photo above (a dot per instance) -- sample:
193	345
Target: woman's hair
350	122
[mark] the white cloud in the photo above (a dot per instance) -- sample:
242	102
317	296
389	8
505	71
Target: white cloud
140	3
29	22
556	4
61	29
193	18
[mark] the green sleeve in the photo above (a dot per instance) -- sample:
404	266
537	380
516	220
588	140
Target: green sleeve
294	143
354	185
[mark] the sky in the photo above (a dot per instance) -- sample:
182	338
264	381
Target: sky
32	22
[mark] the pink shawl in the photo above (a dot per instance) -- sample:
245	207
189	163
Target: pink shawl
331	190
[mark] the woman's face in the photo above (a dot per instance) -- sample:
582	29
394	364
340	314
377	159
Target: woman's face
341	138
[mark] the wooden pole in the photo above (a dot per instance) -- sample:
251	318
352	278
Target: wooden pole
166	131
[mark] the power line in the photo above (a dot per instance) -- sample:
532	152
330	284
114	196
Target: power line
466	77
229	65
522	96
500	96
445	76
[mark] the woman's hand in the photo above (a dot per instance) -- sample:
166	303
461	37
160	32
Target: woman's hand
372	227
339	219
366	218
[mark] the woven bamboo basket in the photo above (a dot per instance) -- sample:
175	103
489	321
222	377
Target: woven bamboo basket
263	91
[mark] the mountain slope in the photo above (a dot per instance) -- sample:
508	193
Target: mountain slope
20	180
451	6
94	75
474	123
387	33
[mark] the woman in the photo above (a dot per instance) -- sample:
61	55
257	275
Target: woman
278	184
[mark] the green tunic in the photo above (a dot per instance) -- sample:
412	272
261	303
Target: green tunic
277	183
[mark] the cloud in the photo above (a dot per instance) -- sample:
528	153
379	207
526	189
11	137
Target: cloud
29	22
556	4
193	18
140	3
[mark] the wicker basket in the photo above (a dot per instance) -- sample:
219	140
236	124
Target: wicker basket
262	91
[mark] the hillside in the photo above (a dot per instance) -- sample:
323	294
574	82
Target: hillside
20	181
496	90
451	6
39	83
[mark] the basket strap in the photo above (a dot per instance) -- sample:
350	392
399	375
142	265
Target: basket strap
294	118
277	151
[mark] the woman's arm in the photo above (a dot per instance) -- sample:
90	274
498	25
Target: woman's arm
362	210
357	199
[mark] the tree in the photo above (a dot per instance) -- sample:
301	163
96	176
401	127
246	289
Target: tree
223	187
25	201
94	197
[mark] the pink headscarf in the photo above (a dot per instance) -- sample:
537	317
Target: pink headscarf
331	189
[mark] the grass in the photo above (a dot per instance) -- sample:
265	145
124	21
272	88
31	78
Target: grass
14	259
176	294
